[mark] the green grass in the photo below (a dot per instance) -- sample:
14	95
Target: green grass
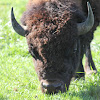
18	79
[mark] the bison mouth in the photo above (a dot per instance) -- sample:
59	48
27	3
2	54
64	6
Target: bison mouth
53	86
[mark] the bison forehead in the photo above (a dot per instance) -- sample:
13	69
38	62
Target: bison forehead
48	21
51	37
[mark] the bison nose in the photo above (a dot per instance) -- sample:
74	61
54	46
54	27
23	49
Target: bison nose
53	87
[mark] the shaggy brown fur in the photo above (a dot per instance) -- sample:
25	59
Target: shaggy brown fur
53	41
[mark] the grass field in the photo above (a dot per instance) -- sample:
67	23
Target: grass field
18	80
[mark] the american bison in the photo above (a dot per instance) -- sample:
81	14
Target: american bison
58	34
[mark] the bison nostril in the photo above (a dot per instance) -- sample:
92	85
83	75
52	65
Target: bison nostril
52	87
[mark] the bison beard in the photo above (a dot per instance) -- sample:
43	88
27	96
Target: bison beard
54	41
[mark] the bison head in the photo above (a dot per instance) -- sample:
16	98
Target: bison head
53	41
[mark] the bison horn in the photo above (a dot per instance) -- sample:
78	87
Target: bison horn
16	26
88	24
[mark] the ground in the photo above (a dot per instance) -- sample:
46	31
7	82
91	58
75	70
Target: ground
18	79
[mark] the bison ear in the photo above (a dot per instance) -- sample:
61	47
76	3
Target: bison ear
86	26
21	30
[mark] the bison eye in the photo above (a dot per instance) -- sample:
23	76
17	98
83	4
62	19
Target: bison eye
34	53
